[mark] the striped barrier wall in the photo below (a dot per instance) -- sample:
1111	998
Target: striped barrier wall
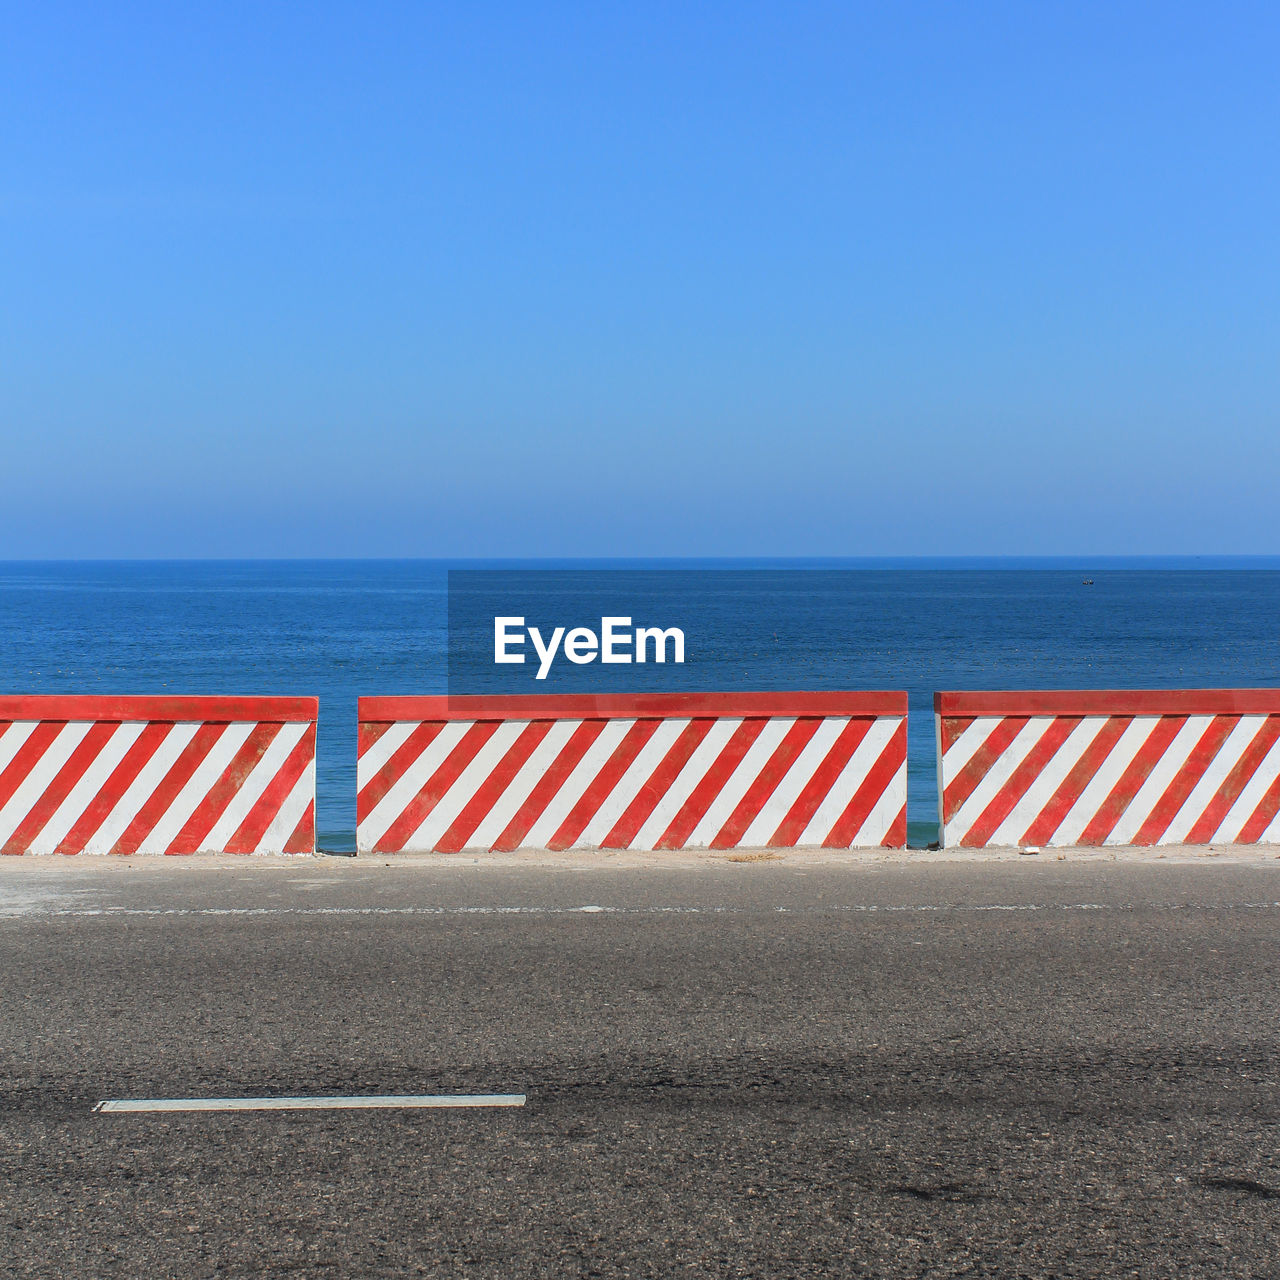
157	775
651	771
1191	766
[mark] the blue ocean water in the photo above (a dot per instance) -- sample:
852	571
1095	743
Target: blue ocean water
338	629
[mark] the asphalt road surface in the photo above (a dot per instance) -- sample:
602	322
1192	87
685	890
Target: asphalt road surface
1024	1067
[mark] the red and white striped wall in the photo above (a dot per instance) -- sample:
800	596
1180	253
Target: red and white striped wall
1191	766
650	771
157	775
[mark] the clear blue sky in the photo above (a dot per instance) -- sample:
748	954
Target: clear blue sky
738	279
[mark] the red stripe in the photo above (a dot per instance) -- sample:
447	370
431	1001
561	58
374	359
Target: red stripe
1020	781
602	784
490	790
368	734
896	836
878	778
952	728
791	828
248	835
701	797
1235	782
415	812
397	765
766	782
1072	786
167	789
658	784
549	785
109	794
979	765
1112	808
26	757
234	776
59	787
1184	782
303	839
1262	816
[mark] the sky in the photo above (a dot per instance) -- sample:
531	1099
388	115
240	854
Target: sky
647	279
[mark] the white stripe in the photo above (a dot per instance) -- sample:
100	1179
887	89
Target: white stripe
290	812
965	747
682	785
1228	756
91	782
340	1103
150	776
405	787
739	781
43	772
1118	759
220	754
993	781
250	792
792	783
575	785
878	735
1163	771
1250	797
1051	777
392	740
627	787
467	783
518	790
12	738
883	813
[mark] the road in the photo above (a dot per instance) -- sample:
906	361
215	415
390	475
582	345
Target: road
803	1067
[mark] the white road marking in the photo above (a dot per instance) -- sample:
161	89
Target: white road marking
28	909
339	1103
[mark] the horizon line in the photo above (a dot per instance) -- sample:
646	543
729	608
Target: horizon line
1074	558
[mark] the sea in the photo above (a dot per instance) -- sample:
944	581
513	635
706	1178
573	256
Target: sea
337	629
